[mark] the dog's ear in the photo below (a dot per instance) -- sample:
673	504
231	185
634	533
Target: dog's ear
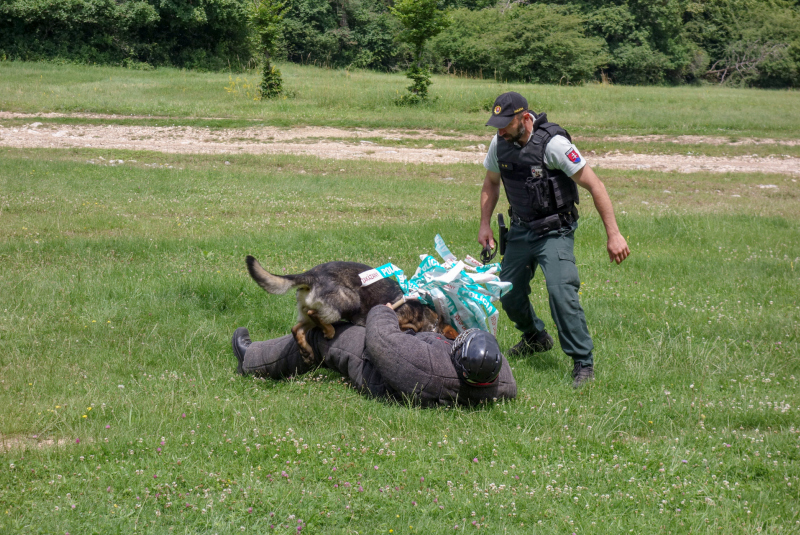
449	332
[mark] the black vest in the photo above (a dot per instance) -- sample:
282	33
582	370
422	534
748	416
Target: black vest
534	191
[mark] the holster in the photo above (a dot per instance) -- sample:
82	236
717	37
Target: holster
540	193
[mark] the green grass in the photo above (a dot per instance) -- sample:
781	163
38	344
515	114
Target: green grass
122	285
365	99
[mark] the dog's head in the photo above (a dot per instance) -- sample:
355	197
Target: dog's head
421	318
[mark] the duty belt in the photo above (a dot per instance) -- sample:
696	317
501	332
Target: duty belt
545	224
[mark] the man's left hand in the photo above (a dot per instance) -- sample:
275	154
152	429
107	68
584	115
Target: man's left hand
617	248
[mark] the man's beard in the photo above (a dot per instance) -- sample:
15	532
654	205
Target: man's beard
520	132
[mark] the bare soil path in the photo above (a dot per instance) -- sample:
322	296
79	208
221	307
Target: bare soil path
344	144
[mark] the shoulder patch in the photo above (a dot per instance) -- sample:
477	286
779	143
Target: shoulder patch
573	155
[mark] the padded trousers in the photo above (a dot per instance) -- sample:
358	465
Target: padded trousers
345	353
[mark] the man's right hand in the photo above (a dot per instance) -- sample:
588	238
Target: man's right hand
486	236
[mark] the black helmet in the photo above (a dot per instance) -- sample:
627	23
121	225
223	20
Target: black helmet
477	357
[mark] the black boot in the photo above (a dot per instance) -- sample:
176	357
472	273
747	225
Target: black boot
532	343
241	341
581	374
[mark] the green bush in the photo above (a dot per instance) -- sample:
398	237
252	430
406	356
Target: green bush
640	65
271	81
536	43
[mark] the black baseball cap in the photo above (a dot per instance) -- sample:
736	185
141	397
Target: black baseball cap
506	106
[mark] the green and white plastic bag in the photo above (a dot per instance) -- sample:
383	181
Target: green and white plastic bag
461	292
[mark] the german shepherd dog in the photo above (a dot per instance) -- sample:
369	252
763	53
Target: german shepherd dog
332	292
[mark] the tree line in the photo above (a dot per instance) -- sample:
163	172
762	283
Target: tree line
743	42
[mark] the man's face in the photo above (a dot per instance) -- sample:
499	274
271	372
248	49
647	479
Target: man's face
515	130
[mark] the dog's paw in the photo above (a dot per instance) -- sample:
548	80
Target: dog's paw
307	358
328	331
307	353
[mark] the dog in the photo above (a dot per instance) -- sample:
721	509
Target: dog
332	292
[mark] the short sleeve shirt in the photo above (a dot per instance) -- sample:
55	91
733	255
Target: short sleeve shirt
559	154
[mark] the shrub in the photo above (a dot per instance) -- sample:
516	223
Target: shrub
638	65
536	43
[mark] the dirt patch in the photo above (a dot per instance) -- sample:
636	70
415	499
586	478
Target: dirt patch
261	133
29	442
699	140
80	115
282	134
784	165
313	141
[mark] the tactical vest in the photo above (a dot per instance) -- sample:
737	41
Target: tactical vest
534	191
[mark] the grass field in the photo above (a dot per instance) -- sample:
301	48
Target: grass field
121	285
365	99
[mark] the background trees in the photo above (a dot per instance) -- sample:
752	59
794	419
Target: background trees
538	43
743	42
209	34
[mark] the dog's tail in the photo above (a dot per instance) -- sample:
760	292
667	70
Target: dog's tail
274	284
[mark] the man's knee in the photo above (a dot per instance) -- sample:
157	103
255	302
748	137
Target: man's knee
565	296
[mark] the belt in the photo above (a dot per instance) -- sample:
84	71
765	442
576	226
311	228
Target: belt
546	224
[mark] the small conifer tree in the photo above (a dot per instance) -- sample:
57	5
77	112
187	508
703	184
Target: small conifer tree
421	20
266	20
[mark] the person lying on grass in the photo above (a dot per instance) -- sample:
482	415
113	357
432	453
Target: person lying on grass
382	361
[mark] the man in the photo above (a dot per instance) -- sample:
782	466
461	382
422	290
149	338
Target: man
382	361
539	168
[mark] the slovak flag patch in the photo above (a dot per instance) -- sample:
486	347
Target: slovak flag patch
573	155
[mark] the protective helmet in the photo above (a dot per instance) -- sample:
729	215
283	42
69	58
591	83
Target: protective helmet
477	357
